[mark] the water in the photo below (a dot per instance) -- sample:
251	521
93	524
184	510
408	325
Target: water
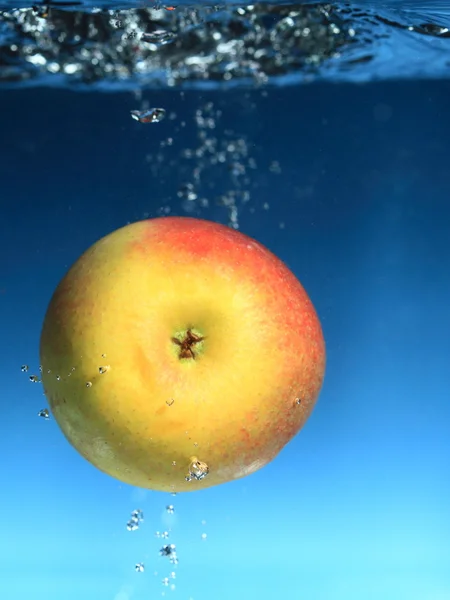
150	46
332	149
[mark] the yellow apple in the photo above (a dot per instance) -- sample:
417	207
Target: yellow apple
178	354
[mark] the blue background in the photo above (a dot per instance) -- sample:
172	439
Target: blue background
358	505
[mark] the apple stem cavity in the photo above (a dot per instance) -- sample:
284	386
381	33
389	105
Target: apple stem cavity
187	342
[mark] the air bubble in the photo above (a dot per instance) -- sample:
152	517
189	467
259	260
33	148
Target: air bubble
164	535
139	568
24	368
167	550
275	167
152	115
103	370
88	384
198	470
187	192
170	509
137	516
44	414
159	37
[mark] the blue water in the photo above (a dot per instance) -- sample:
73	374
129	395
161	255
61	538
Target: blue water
76	44
348	184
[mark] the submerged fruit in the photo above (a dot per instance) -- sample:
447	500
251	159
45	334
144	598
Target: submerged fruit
178	354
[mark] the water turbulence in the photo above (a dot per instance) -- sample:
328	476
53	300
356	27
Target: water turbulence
85	47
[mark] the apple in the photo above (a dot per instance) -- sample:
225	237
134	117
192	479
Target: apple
178	354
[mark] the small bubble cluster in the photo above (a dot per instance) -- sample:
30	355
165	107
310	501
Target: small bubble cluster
139	567
162	534
187	192
137	516
166	582
275	167
169	550
217	157
216	154
203	535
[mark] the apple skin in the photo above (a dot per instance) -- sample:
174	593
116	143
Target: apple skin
143	408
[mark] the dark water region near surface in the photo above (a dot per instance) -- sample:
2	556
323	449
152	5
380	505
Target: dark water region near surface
152	45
